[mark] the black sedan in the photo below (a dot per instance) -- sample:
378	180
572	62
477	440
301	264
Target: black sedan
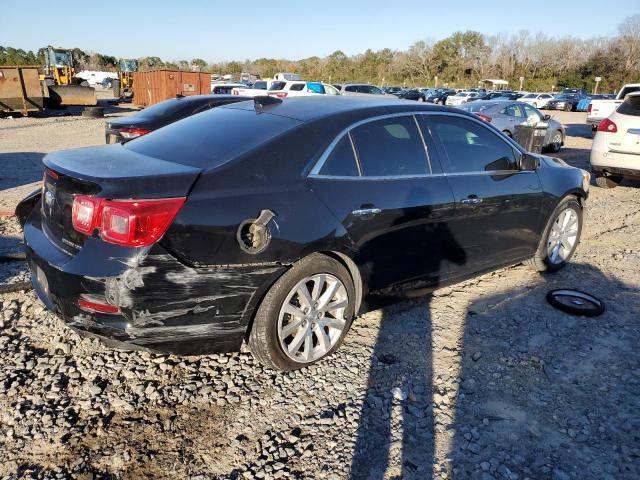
225	227
411	94
565	101
161	114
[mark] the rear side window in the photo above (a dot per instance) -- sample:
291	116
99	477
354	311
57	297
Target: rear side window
260	85
351	88
200	141
297	87
277	85
631	106
341	162
390	147
472	147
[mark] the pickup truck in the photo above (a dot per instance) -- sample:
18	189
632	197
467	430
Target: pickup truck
600	109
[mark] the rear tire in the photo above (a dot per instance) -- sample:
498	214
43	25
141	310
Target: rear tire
568	108
556	142
267	338
543	261
608	181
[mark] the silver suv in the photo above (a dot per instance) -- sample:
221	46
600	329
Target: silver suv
358	89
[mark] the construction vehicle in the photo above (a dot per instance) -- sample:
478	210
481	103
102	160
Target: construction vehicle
123	85
59	82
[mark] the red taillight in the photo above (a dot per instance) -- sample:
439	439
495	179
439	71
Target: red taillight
486	118
131	223
607	125
235	92
589	109
97	307
50	173
85	213
130	133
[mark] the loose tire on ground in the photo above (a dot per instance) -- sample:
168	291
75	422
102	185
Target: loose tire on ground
264	341
575	302
541	261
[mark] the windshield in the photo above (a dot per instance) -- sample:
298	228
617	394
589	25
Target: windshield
129	65
630	106
531	95
566	96
61	58
474	107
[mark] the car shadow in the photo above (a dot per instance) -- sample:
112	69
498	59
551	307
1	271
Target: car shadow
578	130
20	168
545	394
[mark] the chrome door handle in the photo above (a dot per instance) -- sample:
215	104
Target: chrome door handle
366	212
471	201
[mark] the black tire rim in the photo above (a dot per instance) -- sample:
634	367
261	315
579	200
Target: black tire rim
575	302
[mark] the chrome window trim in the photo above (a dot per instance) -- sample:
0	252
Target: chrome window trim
314	173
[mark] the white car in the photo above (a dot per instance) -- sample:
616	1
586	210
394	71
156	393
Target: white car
536	100
282	89
599	109
260	87
615	153
224	88
461	97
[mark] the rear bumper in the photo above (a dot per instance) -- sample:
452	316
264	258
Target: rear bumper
165	306
614	163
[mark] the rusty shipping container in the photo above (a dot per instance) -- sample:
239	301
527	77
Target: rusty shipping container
157	85
20	89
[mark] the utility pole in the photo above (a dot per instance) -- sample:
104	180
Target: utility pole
598	79
436	81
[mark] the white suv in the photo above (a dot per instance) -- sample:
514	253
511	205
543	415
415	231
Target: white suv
282	89
615	153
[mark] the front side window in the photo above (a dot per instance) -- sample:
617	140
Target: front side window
529	111
375	90
472	147
390	147
341	162
351	88
512	111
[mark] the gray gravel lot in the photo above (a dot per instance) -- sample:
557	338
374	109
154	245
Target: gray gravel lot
482	380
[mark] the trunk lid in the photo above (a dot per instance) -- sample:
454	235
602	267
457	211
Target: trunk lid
111	172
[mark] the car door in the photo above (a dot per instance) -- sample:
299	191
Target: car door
498	206
393	202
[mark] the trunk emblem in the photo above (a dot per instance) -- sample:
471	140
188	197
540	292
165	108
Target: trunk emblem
49	197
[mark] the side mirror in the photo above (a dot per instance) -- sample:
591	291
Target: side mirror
528	162
546	117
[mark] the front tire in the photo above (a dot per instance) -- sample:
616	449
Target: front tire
560	238
556	142
568	108
305	315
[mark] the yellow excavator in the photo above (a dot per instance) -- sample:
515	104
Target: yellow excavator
123	85
59	80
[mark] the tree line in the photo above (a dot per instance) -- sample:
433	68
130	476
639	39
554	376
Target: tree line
460	60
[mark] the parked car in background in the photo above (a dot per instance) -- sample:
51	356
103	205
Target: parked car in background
260	87
282	89
224	227
505	115
565	101
358	89
439	95
225	88
615	152
507	96
123	129
460	98
600	109
391	90
411	94
536	100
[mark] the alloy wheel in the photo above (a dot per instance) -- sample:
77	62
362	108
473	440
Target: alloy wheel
556	143
563	236
312	318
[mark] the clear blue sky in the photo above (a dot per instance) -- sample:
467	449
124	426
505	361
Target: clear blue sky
247	29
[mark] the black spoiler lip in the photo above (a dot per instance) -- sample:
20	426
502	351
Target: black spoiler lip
122	173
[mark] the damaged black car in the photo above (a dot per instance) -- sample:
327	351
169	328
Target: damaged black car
275	223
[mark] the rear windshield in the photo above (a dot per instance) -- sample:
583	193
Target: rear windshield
168	107
627	90
630	106
212	138
277	85
476	107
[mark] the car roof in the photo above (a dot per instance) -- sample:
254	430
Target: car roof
309	108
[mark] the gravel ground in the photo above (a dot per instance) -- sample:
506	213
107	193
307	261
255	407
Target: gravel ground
480	380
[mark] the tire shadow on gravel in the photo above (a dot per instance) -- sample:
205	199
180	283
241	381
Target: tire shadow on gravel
545	394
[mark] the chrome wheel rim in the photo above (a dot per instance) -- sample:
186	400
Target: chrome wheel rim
563	236
312	317
556	143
